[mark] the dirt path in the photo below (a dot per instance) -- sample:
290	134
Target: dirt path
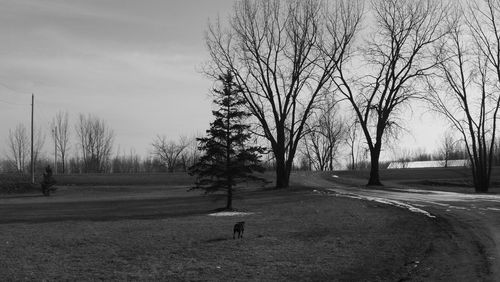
476	218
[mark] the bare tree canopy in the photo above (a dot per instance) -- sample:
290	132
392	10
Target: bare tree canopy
191	154
19	147
282	54
395	56
169	152
325	131
466	90
60	135
95	143
449	149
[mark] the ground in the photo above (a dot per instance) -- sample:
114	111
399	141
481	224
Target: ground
165	233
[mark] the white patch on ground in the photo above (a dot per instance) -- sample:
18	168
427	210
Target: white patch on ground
493	209
459	208
226	213
335	176
385	201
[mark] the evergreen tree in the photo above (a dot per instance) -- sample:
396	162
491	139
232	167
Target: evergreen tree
227	159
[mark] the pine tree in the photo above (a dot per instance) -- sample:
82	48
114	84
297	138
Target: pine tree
227	159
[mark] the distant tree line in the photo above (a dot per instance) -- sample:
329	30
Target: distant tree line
88	147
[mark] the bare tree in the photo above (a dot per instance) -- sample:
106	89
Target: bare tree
403	156
396	56
19	147
190	155
169	152
39	141
60	135
352	142
448	148
324	133
95	143
282	54
467	92
124	163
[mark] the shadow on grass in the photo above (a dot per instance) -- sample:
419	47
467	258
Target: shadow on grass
22	196
214	240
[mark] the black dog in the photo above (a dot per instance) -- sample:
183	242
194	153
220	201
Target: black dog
239	227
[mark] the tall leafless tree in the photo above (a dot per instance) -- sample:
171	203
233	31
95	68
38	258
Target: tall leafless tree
95	143
190	155
396	56
19	147
60	135
39	142
169	152
468	90
282	54
449	148
353	143
325	131
126	163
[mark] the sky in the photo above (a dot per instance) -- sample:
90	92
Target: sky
135	64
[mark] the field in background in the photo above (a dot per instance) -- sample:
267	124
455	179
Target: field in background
450	179
148	227
123	179
457	179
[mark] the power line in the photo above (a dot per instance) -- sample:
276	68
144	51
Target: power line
13	90
12	103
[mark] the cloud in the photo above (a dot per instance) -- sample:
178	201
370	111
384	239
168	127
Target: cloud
132	63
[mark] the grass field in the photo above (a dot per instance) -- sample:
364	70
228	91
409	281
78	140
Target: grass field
109	227
290	236
121	179
457	179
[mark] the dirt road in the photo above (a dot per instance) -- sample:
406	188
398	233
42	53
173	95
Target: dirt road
478	214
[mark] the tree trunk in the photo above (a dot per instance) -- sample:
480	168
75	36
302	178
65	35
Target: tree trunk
481	180
353	160
282	174
374	167
229	201
63	164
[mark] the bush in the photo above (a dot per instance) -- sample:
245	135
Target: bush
16	183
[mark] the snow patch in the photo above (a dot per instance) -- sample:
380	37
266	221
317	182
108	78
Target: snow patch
385	201
227	213
335	176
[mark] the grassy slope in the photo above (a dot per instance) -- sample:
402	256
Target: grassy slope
292	236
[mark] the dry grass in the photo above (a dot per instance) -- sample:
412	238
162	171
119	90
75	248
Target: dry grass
453	179
121	179
295	236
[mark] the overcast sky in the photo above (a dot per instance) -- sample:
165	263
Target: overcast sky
136	64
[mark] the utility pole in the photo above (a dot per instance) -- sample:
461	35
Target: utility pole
32	156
